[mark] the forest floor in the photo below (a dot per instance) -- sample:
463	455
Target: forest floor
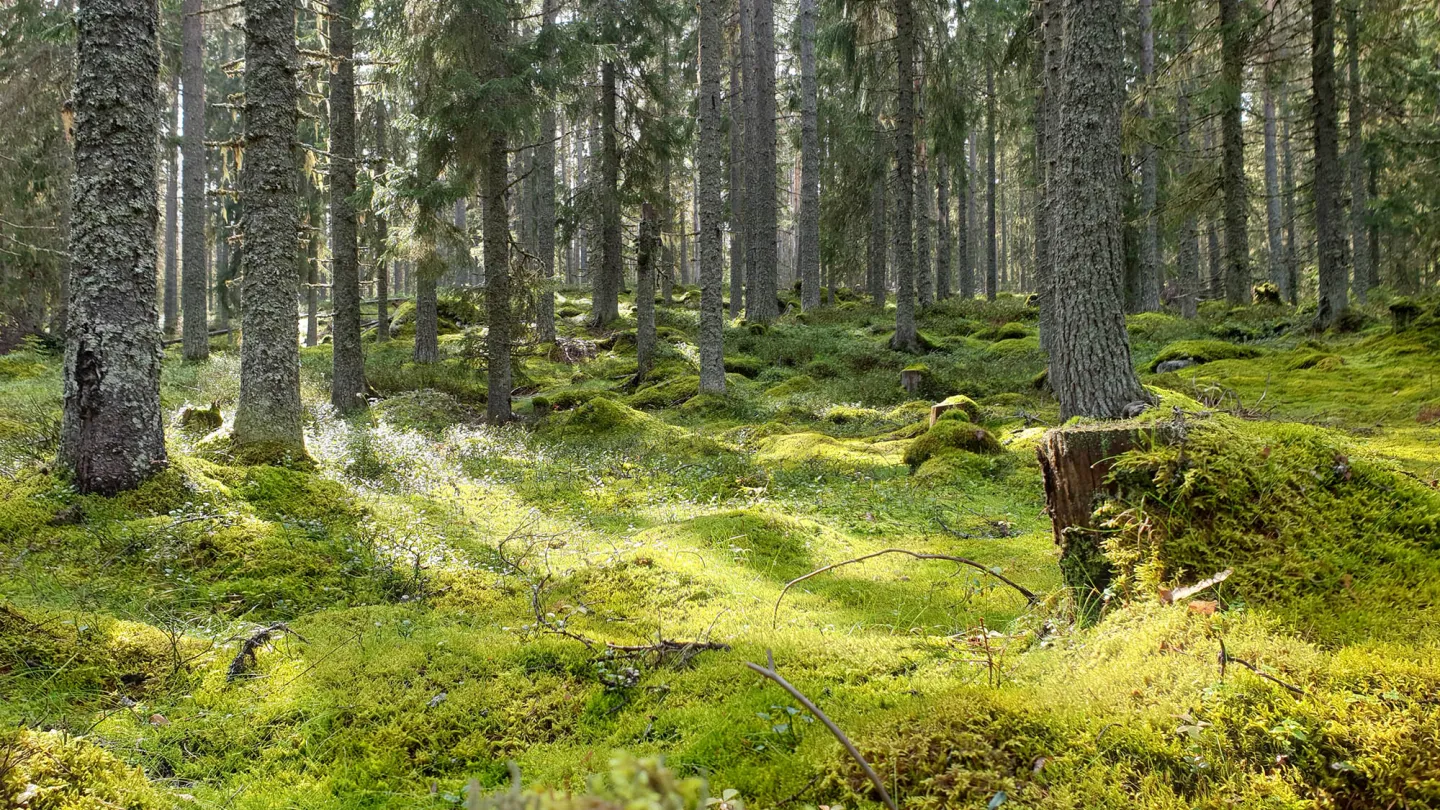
456	596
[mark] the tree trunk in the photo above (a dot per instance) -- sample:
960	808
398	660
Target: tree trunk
171	308
347	385
646	248
1330	236
1273	224
1232	172
497	284
112	436
1365	276
905	337
1187	258
1090	366
194	280
761	303
738	223
992	256
1292	253
544	178
268	415
309	261
924	267
1214	260
808	256
1047	110
944	257
876	248
607	282
427	318
382	231
964	249
708	247
1150	277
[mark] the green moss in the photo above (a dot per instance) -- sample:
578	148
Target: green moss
1008	331
1202	351
799	384
959	406
811	448
1016	346
745	365
57	771
666	394
950	434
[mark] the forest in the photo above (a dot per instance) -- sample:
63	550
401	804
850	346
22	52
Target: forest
663	405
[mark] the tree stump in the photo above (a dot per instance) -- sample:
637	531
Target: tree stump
1075	463
911	379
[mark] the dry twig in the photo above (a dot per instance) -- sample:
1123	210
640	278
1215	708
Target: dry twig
245	656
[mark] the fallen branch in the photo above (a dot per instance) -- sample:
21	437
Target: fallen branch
770	673
1172	596
245	657
1227	658
1030	597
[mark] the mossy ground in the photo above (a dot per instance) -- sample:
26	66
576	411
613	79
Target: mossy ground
430	568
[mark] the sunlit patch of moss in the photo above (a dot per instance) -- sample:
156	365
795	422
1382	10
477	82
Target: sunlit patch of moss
54	770
799	384
1007	331
805	448
427	410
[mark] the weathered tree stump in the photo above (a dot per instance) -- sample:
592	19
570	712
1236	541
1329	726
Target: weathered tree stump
1075	463
911	379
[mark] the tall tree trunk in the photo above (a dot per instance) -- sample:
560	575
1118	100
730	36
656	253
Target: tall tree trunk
1273	224
809	219
965	248
646	252
1232	173
112	436
1330	236
1292	252
194	280
347	385
924	269
944	256
905	337
171	308
1150	276
382	231
1090	366
992	256
708	246
1188	250
1365	275
545	206
427	316
607	282
309	260
879	226
1214	258
739	46
268	414
761	303
1047	109
497	284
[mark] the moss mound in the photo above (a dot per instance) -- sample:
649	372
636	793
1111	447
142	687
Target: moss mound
666	394
1202	351
426	410
950	434
56	771
817	448
1340	546
959	406
1008	331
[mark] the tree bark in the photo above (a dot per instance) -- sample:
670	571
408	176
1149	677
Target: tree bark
607	283
268	414
646	250
1292	254
347	384
497	284
194	280
1150	276
944	256
382	230
1232	172
112	436
1365	277
966	170
1047	109
1090	367
1273	224
738	223
1187	258
808	255
905	338
992	256
427	318
924	266
1329	227
545	205
1215	261
761	303
707	190
876	248
170	309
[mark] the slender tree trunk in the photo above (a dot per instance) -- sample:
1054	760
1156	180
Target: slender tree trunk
427	317
966	171
112	436
876	249
1150	276
738	222
809	218
309	260
268	415
1330	236
194	281
1292	254
545	207
646	250
708	247
347	385
607	282
171	308
382	231
944	256
905	337
1232	173
1273	224
1365	276
762	304
992	256
1214	258
924	269
497	284
1188	250
1090	366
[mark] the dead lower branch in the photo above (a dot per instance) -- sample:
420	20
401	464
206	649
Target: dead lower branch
1030	597
769	672
245	656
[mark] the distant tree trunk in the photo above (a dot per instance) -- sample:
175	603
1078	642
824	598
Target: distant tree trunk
1365	275
992	256
171	308
1330	236
1090	367
497	284
347	385
1273	224
1188	250
738	222
1150	277
463	272
646	248
427	317
905	337
607	282
1232	173
708	248
944	256
382	232
879	227
761	303
194	281
1292	253
809	219
964	249
309	260
112	436
268	414
545	208
1214	259
924	269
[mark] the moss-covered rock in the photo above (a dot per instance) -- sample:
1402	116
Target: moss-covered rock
1202	351
665	394
799	384
1007	331
950	434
